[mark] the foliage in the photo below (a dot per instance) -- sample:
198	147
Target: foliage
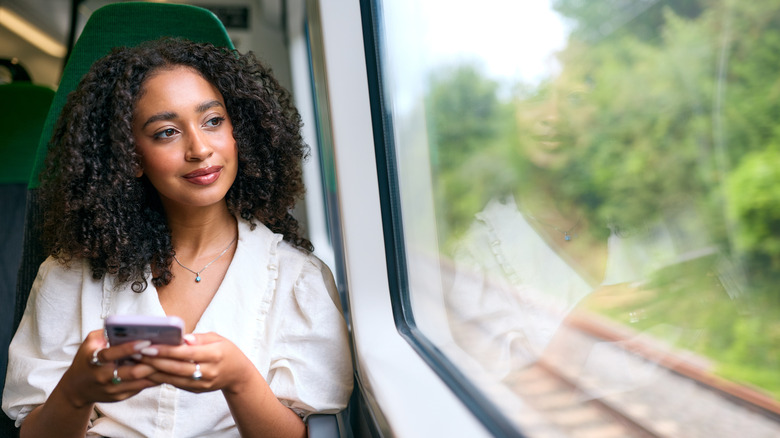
472	133
662	124
598	19
687	306
754	190
664	112
635	129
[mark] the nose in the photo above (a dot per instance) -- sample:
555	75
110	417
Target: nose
198	147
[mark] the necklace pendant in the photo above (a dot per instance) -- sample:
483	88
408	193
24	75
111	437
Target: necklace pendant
197	274
567	237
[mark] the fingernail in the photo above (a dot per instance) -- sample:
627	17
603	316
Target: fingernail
190	338
137	356
140	345
149	352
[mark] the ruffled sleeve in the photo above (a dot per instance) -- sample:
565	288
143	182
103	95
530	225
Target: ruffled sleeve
311	362
47	339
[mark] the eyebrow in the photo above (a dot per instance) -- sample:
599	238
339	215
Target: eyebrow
208	105
160	116
168	115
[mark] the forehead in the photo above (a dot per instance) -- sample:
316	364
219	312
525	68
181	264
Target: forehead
175	86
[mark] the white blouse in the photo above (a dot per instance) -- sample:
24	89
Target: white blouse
276	303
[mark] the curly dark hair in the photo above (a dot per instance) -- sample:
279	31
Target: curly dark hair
97	209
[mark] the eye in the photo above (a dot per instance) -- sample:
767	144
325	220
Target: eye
165	133
215	121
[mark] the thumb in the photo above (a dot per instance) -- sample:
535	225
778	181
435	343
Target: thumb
201	338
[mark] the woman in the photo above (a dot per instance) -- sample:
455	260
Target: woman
169	182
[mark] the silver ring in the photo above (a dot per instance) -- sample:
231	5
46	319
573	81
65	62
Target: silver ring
116	380
197	375
95	360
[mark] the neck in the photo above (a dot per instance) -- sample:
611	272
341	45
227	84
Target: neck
546	207
202	231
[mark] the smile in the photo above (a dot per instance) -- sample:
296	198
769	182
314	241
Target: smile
204	176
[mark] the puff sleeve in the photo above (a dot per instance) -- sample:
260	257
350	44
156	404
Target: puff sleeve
49	334
311	363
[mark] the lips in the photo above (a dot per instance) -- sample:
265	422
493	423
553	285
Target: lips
204	175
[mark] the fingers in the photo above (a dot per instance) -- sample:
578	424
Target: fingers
178	368
99	353
98	374
94	341
190	376
205	362
114	374
196	348
202	338
122	382
95	358
85	384
180	354
110	358
182	361
122	351
194	365
131	373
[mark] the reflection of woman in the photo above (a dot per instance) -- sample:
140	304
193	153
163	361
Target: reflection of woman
512	287
528	259
172	172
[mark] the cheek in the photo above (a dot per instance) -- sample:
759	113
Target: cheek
234	154
230	148
156	166
233	158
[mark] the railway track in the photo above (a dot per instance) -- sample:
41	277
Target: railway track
636	389
559	401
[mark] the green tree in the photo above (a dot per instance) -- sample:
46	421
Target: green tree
680	113
754	190
668	118
594	20
470	130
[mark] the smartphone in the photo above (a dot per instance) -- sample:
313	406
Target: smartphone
157	329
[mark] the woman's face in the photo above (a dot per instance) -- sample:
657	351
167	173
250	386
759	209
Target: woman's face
548	120
185	139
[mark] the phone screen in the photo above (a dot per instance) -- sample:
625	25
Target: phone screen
157	329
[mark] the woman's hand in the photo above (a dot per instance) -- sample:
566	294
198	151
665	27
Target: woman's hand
206	362
94	375
209	362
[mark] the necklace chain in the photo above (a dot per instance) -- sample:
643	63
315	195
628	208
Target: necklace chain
567	236
197	274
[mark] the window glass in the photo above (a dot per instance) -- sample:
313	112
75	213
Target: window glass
590	199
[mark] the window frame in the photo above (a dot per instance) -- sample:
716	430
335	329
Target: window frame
403	392
389	194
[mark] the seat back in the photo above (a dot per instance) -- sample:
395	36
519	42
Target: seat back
22	114
114	25
126	24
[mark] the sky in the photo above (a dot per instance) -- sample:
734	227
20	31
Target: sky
515	38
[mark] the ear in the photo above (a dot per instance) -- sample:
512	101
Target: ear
139	167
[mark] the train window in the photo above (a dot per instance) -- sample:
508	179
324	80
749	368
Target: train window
584	203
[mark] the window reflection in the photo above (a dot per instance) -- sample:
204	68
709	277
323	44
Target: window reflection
609	230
